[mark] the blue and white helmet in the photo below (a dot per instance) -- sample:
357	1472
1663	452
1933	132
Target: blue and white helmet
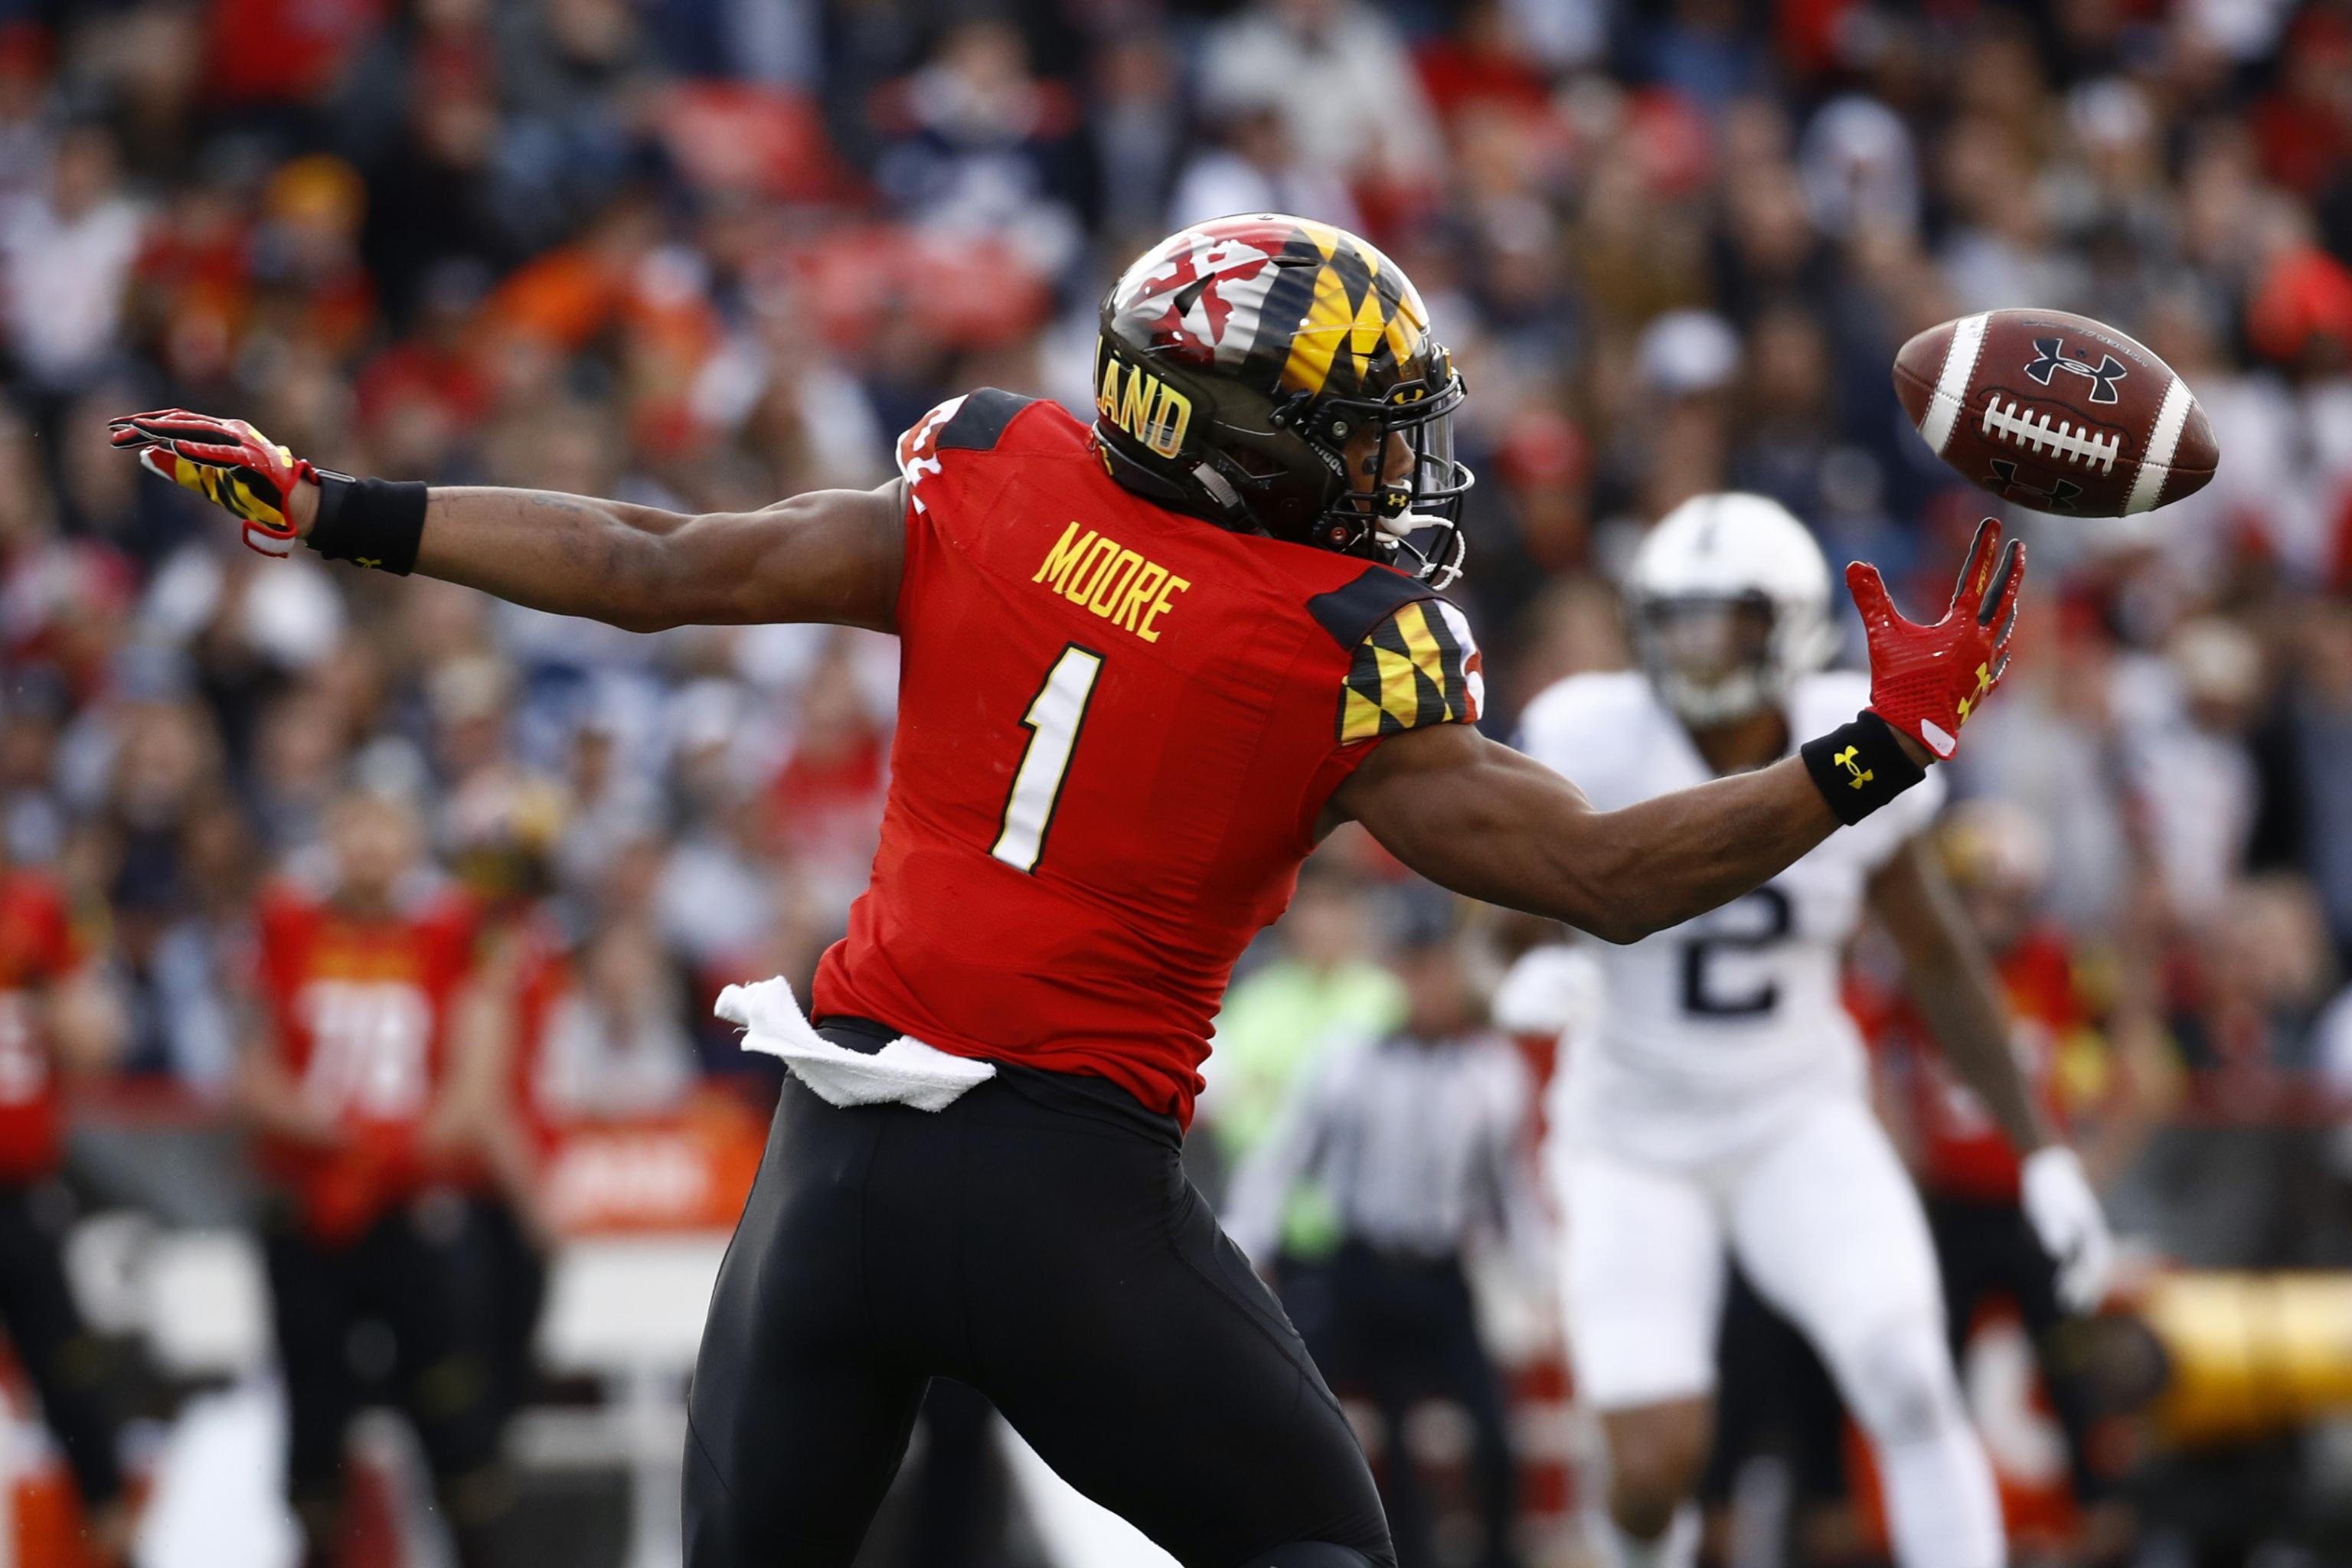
1729	599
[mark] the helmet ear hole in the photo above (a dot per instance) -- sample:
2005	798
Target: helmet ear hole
1257	464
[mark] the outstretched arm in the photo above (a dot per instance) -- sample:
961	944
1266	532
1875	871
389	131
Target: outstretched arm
1484	820
828	555
1477	816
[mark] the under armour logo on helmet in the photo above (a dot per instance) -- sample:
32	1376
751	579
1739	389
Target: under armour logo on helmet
2051	358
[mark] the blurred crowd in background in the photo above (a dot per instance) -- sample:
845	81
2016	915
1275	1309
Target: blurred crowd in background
704	253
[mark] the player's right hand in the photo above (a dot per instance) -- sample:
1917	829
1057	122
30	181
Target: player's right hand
227	462
2055	1194
1925	680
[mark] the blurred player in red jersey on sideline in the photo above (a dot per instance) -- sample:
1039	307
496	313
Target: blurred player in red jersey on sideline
2098	1068
1146	663
55	1022
370	1124
507	827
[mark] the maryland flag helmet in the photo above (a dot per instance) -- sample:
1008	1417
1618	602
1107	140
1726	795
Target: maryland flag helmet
1277	376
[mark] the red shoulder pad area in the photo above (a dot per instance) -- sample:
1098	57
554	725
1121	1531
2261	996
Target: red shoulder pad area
975	422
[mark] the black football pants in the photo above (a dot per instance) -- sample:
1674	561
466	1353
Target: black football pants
1037	1241
71	1369
436	1277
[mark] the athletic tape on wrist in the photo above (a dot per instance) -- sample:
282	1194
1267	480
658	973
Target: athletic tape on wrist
1859	767
375	524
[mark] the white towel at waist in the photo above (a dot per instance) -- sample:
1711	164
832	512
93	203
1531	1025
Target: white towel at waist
904	1072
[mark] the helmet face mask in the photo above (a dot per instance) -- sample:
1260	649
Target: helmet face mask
1728	598
1276	375
1406	487
1713	660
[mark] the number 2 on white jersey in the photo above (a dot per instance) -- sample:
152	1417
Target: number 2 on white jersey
1055	715
1702	995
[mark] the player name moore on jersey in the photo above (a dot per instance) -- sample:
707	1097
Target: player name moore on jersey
1112	581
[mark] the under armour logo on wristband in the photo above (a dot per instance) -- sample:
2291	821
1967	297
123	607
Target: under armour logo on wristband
367	561
1859	767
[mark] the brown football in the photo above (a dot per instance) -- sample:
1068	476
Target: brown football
2055	412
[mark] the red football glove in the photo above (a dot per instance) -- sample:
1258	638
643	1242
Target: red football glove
1926	680
227	462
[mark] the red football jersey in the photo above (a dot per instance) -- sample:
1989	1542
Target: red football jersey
544	977
37	947
360	1012
1962	1151
1116	729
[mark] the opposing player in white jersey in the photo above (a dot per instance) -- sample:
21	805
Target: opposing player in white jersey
1721	1105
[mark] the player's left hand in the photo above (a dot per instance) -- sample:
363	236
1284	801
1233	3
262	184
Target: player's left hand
1925	680
2067	1217
227	462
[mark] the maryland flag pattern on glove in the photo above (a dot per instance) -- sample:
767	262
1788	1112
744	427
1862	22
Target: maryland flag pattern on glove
1926	680
227	462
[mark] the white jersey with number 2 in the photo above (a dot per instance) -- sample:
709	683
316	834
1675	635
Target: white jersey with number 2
1716	1028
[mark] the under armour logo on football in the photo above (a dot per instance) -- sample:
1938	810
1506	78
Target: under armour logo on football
2060	496
2051	358
1861	776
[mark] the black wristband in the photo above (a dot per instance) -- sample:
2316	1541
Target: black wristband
369	523
1859	767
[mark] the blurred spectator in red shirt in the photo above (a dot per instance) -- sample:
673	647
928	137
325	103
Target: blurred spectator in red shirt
26	133
2304	124
1482	62
283	52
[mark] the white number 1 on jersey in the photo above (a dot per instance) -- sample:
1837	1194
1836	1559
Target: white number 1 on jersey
1053	720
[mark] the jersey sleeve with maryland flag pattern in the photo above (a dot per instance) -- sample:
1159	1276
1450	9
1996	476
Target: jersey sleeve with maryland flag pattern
359	1012
1418	666
1118	727
37	949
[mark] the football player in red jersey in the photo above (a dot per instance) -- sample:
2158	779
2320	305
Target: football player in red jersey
54	1022
367	1125
1145	665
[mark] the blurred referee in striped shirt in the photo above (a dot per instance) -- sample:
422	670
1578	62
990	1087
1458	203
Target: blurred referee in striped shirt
1416	1143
